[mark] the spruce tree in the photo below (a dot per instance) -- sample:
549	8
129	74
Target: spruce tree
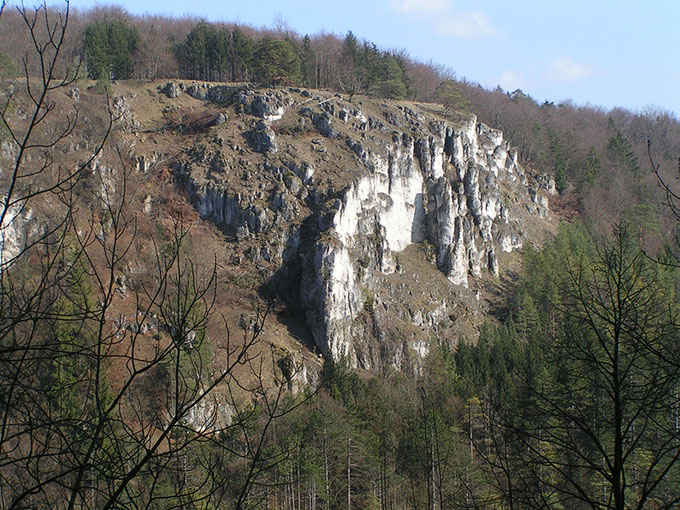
110	47
276	58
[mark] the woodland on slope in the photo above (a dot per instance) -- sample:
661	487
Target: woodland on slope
568	400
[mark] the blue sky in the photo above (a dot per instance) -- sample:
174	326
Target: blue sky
603	52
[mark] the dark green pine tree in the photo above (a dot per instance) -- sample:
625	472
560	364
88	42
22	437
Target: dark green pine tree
591	169
621	153
276	58
351	48
204	53
110	47
240	55
449	94
392	78
308	62
560	160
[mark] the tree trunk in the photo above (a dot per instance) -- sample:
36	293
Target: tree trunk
349	473
325	465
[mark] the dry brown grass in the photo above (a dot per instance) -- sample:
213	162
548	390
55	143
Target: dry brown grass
190	121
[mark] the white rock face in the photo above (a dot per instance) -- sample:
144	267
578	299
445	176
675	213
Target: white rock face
210	414
443	187
341	300
415	179
14	233
393	192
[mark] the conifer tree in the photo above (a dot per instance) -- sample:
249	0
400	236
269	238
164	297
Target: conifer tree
110	47
597	425
308	63
276	58
241	54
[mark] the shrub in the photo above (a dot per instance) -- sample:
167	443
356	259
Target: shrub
190	121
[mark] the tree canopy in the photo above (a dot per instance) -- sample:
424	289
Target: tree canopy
276	58
110	47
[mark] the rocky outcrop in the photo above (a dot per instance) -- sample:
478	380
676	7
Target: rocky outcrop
443	187
269	105
171	89
263	137
337	213
210	92
14	233
123	114
229	210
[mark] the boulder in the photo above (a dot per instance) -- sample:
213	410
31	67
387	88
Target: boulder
270	105
263	137
171	89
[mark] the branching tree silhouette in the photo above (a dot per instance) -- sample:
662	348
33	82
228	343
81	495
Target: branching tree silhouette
597	421
99	410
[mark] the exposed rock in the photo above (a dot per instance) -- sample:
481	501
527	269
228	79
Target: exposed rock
270	105
146	162
8	150
307	173
121	285
197	91
264	139
15	233
171	89
211	413
338	226
229	210
323	124
547	183
123	114
285	205
214	93
293	183
147	204
441	187
220	93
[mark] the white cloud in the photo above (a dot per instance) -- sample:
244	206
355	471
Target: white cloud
565	69
468	25
510	80
446	19
422	7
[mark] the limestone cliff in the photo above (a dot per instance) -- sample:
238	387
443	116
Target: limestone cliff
441	186
380	223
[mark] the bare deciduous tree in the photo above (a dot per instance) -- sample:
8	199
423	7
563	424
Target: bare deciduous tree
597	421
100	409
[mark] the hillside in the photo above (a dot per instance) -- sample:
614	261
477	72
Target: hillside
227	294
366	232
396	218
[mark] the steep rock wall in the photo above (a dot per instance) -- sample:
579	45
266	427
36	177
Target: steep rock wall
334	215
440	187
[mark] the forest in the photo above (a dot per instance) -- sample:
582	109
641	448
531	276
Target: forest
569	399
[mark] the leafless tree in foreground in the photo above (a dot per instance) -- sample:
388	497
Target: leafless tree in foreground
597	422
99	410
